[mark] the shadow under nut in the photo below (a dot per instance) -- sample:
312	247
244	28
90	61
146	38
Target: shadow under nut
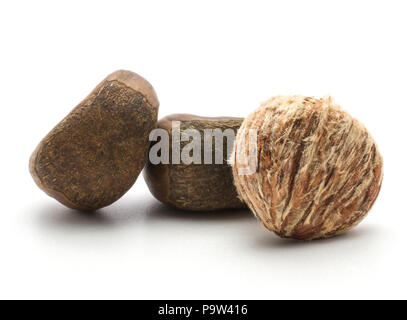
95	154
196	187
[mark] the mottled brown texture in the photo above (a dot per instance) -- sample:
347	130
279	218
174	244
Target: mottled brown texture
319	170
94	155
197	187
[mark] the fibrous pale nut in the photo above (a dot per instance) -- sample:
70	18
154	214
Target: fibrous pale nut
318	172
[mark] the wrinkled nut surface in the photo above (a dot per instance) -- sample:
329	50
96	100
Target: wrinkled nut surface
94	155
319	170
197	187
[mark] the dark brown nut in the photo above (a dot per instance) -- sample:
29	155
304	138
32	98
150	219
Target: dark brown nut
194	186
94	155
319	170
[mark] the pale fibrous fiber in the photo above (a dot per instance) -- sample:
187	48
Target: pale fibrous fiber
318	170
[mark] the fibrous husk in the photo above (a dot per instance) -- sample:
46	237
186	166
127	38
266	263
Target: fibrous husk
319	170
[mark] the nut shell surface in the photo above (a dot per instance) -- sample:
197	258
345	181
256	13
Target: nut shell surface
95	154
195	187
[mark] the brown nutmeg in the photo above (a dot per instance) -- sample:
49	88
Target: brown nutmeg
94	155
194	186
318	169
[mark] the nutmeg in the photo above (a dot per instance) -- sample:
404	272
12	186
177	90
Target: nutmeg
317	170
94	155
203	181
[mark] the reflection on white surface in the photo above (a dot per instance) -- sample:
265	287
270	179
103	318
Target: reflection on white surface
139	248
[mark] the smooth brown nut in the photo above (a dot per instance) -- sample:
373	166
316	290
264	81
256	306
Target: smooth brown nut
198	187
94	155
319	170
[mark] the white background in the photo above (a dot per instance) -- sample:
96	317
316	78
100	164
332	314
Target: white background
208	58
